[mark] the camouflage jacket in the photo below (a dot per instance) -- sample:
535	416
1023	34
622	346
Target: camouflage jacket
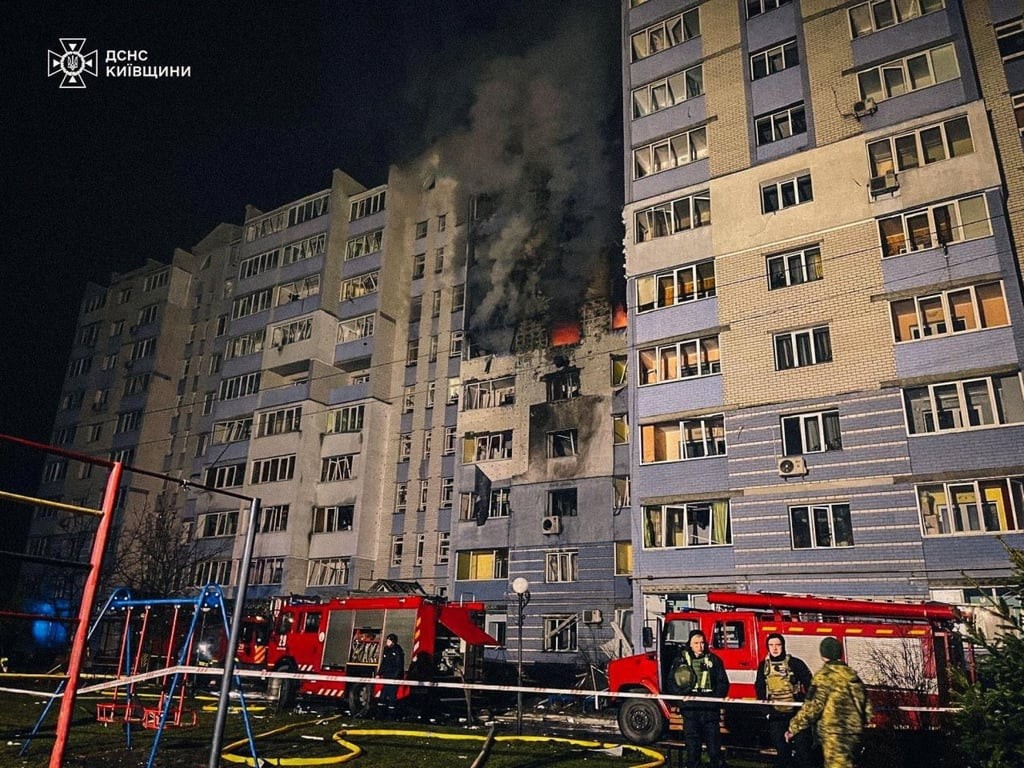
836	701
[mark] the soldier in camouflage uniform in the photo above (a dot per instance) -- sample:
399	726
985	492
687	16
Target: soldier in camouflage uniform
838	703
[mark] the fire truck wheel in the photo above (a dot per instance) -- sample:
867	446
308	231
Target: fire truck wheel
359	699
641	721
289	688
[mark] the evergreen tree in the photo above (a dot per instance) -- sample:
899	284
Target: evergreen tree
991	723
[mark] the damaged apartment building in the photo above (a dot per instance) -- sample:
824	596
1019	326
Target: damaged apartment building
316	357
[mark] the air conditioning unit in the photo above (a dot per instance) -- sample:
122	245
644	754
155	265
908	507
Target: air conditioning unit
864	108
885	183
551	525
592	617
792	466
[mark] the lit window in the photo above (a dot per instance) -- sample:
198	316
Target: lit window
972	506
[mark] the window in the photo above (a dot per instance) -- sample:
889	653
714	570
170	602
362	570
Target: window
564	385
795	268
297	290
213	572
355	328
255	265
670	153
419	265
665	34
94	302
367	206
273	519
561	566
93	433
965	404
450	440
419	552
346	419
79	367
251	303
672	217
563	442
785	194
560	633
334	468
421	230
412	351
1018	112
273	470
811	433
490	393
404	446
427	440
134	385
679	440
279	422
266	570
239	386
458	297
685	284
958	311
619	369
328	572
360	285
1010	39
401	497
246	344
623	558
142	349
439	259
432	349
939	225
499	503
669	91
218	524
680	360
360	245
128	421
447	491
435	303
620	492
972	506
444	547
55	470
881	14
687	525
774	59
781	124
397	550
481	564
333	519
225	476
757	7
562	503
158	280
620	428
72	400
827	525
801	348
232	430
442	222
431	394
309	209
125	456
455	345
486	446
912	73
453	390
951	138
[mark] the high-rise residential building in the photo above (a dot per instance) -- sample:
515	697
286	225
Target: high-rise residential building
316	357
824	233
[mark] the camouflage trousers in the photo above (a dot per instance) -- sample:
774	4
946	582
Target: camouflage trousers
838	749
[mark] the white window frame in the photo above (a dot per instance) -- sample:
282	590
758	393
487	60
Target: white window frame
252	303
367	206
561	567
758	7
255	265
444	547
786	193
781	124
870	17
291	333
696	438
915	238
811	432
794	268
672	217
935	314
983	517
364	244
337	468
487	446
668	91
675	151
653	362
355	328
307	248
820	523
799	349
874	85
684	525
360	285
274	469
668	33
332	518
239	386
774	59
273	518
898	158
1012	30
941	407
561	633
245	344
226	475
280	422
328	572
348	418
232	430
219	524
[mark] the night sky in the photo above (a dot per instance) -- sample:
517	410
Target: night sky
98	180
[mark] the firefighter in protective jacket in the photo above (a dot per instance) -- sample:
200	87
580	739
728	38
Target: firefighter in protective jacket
837	702
784	678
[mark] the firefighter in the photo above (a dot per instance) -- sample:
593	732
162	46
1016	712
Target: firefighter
392	665
698	672
782	677
837	702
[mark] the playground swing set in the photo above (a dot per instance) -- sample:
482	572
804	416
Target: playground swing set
127	708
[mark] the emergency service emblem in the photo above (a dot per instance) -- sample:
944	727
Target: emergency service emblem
73	63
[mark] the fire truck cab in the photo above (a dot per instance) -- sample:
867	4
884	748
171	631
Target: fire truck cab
345	637
904	652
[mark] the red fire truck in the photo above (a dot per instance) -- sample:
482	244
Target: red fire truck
345	636
904	652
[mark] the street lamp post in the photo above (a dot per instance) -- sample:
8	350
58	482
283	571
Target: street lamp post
522	589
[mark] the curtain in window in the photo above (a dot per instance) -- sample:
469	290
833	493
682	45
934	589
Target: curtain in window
721	530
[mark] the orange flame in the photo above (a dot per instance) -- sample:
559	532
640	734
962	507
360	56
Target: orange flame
565	333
